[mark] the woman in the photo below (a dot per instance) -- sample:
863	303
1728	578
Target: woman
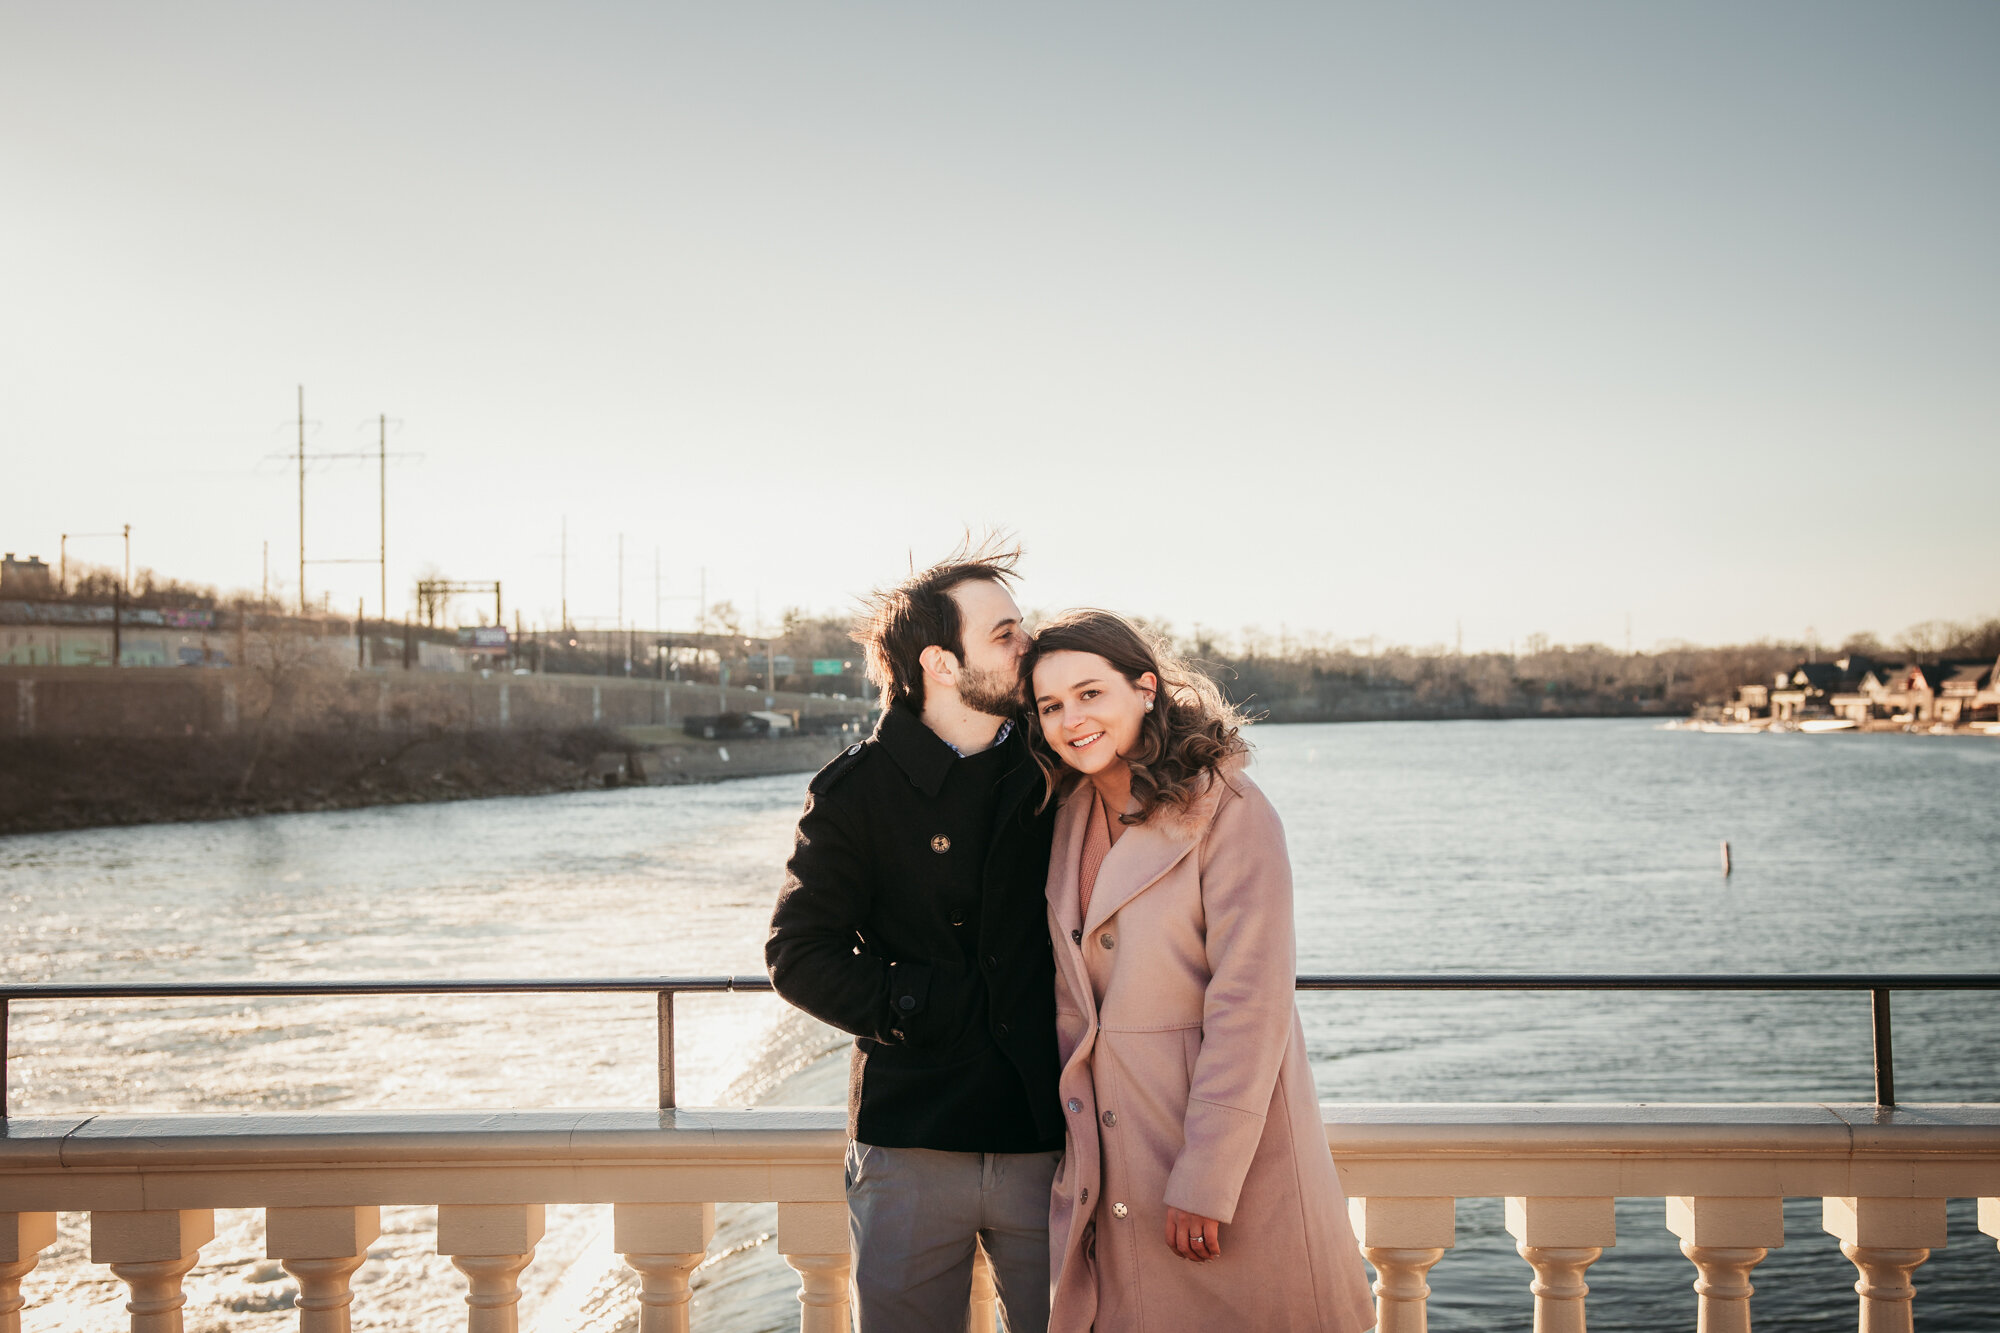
1196	1190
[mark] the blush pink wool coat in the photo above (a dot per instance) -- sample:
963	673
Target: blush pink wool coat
1185	1082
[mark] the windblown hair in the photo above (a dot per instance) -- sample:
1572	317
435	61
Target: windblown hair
1192	729
898	623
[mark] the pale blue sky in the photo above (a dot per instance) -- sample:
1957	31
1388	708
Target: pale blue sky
1363	320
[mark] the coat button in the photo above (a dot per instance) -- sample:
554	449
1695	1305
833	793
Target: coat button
1110	1119
907	1003
1118	1210
854	748
1106	940
958	918
940	844
1002	1029
992	963
1075	1105
1076	937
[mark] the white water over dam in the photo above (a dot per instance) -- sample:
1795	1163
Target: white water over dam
1581	846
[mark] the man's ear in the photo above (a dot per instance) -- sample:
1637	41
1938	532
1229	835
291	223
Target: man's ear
940	665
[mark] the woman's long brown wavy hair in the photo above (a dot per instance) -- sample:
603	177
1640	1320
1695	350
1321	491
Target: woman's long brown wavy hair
1192	729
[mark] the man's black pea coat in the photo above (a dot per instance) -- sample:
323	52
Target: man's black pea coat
913	916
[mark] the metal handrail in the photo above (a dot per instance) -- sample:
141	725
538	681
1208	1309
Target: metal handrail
1877	984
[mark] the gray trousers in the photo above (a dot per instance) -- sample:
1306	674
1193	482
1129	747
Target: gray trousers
916	1215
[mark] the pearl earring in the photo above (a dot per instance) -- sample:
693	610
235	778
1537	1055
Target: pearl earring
1149	705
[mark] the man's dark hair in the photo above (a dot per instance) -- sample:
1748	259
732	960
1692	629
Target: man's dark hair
898	623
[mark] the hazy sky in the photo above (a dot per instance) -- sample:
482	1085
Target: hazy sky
1365	320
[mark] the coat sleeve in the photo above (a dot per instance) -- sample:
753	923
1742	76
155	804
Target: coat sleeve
816	953
1248	1007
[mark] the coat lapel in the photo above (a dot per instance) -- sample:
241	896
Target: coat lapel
1136	862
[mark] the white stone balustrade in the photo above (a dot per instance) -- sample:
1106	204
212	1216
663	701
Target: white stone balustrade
1401	1239
491	1243
664	1243
1885	1240
1725	1238
1560	1238
150	1251
23	1237
150	1184
321	1248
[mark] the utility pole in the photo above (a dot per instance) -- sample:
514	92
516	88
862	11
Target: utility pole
128	559
302	499
382	495
565	574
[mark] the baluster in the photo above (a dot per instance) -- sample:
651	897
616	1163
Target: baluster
1725	1239
321	1248
1885	1240
1989	1217
491	1244
985	1296
1560	1238
1402	1238
151	1251
813	1237
23	1237
664	1243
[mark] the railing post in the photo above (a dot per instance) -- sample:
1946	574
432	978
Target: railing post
1560	1238
491	1244
23	1237
664	1243
985	1308
151	1251
1402	1239
1724	1239
666	1050
1885	1049
1885	1240
814	1240
321	1248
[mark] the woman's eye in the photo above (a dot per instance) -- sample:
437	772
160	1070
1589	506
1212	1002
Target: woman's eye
1088	694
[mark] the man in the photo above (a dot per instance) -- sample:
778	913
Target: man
912	916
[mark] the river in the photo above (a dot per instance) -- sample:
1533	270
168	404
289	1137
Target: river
1589	845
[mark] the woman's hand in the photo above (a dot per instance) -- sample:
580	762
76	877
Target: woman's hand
1192	1236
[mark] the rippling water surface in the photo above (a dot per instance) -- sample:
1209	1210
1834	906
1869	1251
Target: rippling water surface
1537	846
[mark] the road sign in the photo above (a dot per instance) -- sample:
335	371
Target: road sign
828	666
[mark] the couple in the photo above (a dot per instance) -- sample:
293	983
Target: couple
1057	916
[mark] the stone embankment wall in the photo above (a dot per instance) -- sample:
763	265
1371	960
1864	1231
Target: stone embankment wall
141	703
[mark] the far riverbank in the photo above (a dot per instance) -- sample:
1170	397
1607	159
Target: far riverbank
49	783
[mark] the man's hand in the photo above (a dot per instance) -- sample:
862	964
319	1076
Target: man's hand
1192	1236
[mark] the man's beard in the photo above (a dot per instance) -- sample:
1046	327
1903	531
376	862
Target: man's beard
994	693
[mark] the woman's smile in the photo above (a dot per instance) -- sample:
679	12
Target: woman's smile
1083	741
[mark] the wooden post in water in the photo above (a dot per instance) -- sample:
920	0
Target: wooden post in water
1725	858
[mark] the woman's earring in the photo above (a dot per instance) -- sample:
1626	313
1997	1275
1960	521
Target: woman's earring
1149	705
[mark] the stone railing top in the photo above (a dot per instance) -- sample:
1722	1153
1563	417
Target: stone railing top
1539	1129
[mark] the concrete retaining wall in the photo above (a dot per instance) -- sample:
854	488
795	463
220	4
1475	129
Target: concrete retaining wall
100	701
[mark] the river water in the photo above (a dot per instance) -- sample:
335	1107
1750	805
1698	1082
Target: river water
1588	846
